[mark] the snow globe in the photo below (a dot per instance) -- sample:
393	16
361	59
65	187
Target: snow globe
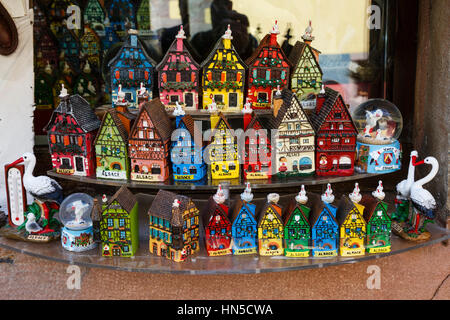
379	124
75	213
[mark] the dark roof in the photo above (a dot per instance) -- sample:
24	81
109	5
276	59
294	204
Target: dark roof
266	207
210	210
221	116
290	210
287	96
162	204
189	122
173	48
297	53
370	203
125	198
219	45
265	42
80	109
122	131
237	205
127	44
331	97
160	119
345	207
317	206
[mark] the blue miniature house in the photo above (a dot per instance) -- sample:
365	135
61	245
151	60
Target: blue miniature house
131	67
122	15
324	227
187	151
244	228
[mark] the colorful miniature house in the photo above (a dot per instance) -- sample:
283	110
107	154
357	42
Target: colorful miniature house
178	75
224	76
174	226
143	17
378	222
111	148
258	149
110	36
306	73
119	226
324	226
270	227
352	226
94	14
149	143
335	135
294	142
297	230
69	44
71	133
90	46
217	225
223	151
244	225
131	67
269	68
187	151
122	16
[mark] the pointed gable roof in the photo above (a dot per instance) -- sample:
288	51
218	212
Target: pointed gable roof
118	123
210	210
297	53
293	204
317	206
125	198
127	45
159	117
345	207
190	125
277	209
265	42
187	50
237	206
219	45
80	110
370	203
332	96
289	98
162	204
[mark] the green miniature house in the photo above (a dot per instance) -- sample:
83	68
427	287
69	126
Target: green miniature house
119	227
297	230
378	225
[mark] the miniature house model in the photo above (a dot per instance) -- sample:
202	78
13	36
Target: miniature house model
269	68
119	229
224	76
178	75
379	125
174	231
71	133
270	227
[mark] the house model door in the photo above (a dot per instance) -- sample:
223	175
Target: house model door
79	165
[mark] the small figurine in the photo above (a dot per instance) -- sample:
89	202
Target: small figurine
75	213
142	96
244	225
378	193
379	125
356	196
402	202
297	230
212	108
328	196
174	226
270	227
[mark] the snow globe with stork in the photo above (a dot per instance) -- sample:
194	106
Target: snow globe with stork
379	124
75	213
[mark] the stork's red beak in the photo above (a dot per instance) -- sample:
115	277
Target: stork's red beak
417	163
20	160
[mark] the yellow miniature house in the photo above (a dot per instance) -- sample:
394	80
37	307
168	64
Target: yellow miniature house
270	228
223	154
224	76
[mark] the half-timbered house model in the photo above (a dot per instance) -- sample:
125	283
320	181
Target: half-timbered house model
149	143
131	67
352	225
91	47
187	151
270	227
174	226
217	225
297	230
378	222
178	75
258	149
306	79
119	226
223	150
335	135
223	78
94	15
268	68
324	226
244	225
111	148
122	16
294	142
71	132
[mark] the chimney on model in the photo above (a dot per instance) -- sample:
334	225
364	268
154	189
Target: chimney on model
321	97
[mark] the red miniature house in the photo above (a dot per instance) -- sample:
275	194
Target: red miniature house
71	133
335	135
268	69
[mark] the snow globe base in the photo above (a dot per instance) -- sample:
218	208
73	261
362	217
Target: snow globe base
373	158
78	240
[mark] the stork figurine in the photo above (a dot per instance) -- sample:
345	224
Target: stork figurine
47	193
404	190
371	121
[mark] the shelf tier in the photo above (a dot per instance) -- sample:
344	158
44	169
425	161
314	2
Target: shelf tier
238	184
200	263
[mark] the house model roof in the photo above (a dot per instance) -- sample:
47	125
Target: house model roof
127	45
287	96
237	206
187	49
80	109
120	127
291	208
162	205
158	115
370	203
317	206
219	45
125	198
345	207
297	52
277	209
265	43
189	123
210	211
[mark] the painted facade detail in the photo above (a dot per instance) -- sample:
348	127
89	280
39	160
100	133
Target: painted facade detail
270	227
